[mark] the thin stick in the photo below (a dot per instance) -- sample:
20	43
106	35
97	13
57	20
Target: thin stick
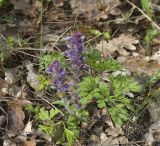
152	22
28	54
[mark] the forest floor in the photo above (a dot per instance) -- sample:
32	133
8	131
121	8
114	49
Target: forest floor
32	31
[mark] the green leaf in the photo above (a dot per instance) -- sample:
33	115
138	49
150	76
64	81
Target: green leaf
95	60
101	103
43	115
146	7
86	100
45	60
70	135
107	35
95	32
150	35
83	94
155	77
58	102
123	84
118	114
53	112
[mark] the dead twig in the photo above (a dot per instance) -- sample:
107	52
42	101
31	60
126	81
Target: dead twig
152	22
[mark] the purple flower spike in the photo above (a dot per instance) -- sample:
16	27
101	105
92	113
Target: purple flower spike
52	68
59	75
74	52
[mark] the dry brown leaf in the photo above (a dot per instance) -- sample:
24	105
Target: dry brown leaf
122	140
120	44
2	120
29	143
57	3
4	86
153	135
154	110
94	8
32	76
114	132
16	116
11	75
8	142
28	25
27	129
50	38
156	56
110	142
140	66
43	135
27	7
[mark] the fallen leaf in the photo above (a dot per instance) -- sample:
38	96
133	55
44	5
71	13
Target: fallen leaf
22	93
11	75
122	140
4	86
110	142
103	136
2	120
140	66
32	76
114	132
27	129
29	143
153	135
154	110
27	7
121	44
57	3
93	8
16	116
43	135
50	38
156	56
8	142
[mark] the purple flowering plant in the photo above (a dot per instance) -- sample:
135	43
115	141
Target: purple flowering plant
75	53
60	76
78	85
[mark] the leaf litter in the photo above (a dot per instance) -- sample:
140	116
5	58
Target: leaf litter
125	47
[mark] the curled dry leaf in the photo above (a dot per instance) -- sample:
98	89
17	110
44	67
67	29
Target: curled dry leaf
114	132
43	135
120	44
7	89
156	56
11	75
27	129
94	8
32	76
4	86
16	116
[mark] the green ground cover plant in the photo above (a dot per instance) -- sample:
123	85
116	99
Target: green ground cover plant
75	78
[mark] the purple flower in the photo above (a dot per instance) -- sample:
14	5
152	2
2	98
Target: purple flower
52	68
58	76
74	52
